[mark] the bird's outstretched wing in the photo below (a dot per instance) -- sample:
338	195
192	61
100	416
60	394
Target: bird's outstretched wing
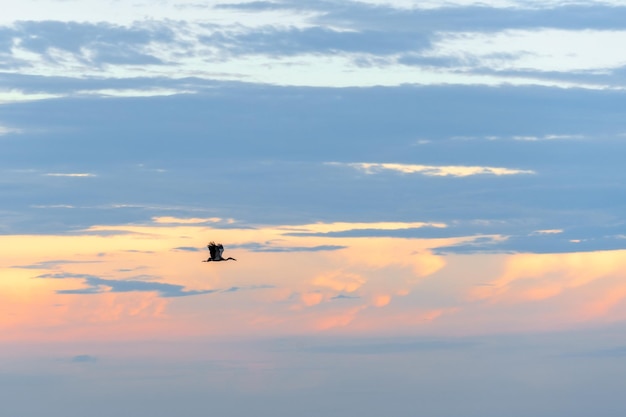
220	249
213	249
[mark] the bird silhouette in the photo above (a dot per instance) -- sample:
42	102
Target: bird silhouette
216	253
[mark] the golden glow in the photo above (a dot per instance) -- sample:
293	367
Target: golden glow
138	281
340	281
381	300
434	170
78	174
537	276
194	220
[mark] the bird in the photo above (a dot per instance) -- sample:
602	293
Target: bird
216	253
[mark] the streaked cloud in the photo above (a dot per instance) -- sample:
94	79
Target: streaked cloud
313	50
336	228
17	96
549	231
97	285
4	130
534	50
71	175
541	276
150	92
270	247
133	133
548	137
112	11
175	220
431	170
340	281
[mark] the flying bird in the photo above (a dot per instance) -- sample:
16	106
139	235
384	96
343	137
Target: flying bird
216	253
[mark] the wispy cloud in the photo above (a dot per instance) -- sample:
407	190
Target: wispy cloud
268	247
97	285
548	137
187	249
312	50
17	96
194	220
128	92
501	4
432	170
51	264
4	130
84	359
74	175
540	50
345	226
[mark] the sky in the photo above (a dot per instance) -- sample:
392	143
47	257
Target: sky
425	200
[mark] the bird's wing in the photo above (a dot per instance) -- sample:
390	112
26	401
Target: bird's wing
221	249
212	250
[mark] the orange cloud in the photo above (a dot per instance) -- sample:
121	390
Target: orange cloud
340	281
312	298
541	276
381	300
272	291
341	319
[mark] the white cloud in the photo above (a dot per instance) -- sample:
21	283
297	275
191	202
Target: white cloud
188	54
517	4
149	92
128	12
548	232
16	96
76	175
311	70
547	137
433	170
195	220
4	130
535	50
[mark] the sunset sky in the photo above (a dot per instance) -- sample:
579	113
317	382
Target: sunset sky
425	199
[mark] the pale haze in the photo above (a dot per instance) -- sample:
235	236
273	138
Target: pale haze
425	201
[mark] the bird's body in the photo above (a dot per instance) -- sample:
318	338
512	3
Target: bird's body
216	251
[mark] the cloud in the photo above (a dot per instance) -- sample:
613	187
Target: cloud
540	50
528	277
71	175
84	359
345	297
340	281
431	170
575	239
4	130
548	137
187	249
51	264
337	227
310	54
312	298
96	285
194	220
17	96
125	14
517	5
268	247
381	300
128	92
248	287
